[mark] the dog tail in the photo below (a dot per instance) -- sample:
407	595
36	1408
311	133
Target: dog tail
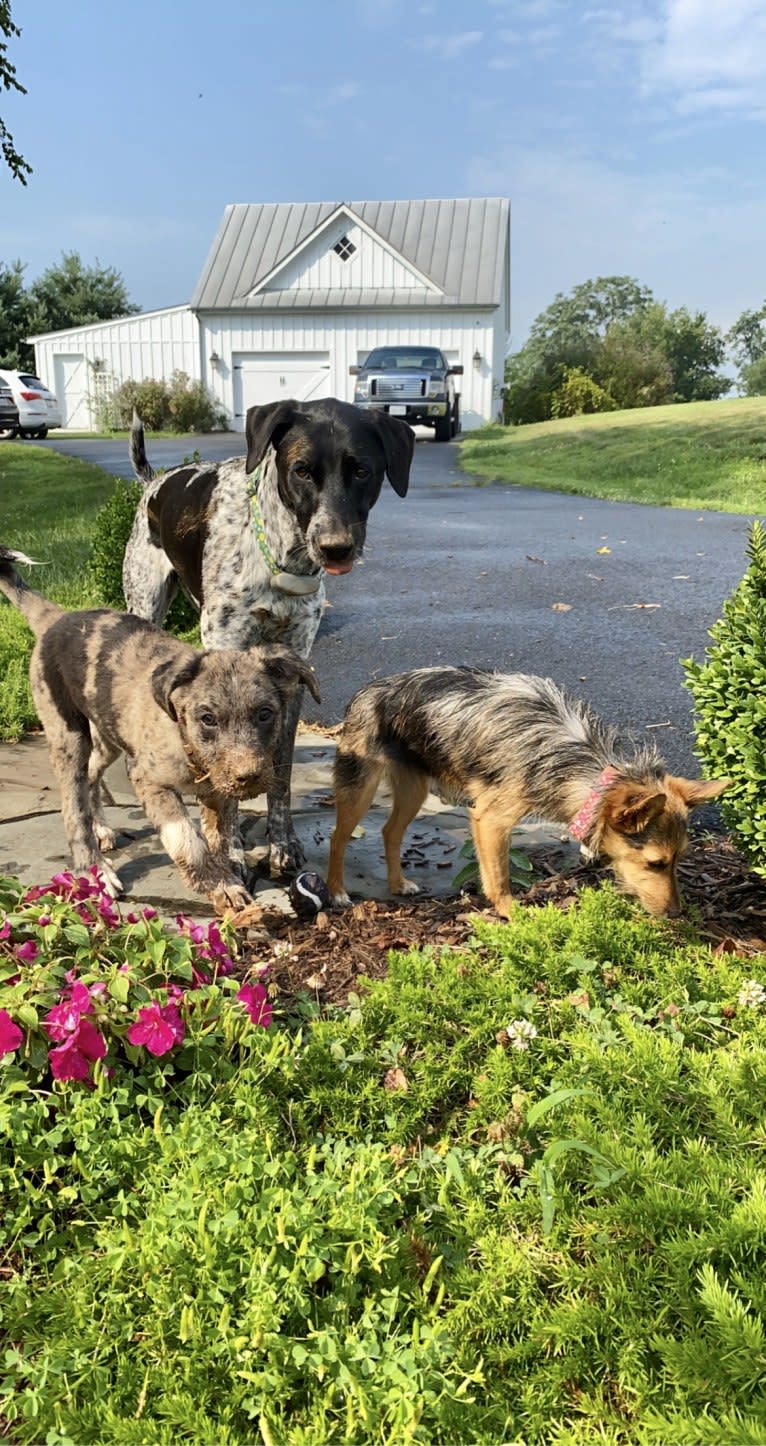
37	610
137	451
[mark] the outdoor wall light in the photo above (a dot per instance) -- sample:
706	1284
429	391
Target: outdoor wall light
477	359
215	360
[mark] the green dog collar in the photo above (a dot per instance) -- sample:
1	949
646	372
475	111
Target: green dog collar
296	584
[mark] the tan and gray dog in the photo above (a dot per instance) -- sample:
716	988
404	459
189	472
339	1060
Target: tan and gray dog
510	746
205	723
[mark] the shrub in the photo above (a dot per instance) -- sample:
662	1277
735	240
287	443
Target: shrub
149	398
729	691
579	393
111	531
191	407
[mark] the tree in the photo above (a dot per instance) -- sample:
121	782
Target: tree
747	337
71	294
692	347
14	317
633	370
19	168
753	378
568	335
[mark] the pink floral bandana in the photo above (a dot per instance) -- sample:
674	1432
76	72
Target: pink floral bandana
582	823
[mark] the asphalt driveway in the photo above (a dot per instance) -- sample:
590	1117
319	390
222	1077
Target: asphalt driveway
605	597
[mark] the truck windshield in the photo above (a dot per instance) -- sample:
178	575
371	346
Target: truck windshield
404	358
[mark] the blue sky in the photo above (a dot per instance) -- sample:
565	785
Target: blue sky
630	139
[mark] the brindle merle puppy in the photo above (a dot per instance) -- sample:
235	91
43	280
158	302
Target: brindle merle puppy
251	551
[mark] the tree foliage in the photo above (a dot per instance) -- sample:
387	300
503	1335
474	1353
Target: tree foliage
67	294
18	167
631	347
73	294
14	316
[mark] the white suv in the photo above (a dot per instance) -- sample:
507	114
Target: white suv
38	408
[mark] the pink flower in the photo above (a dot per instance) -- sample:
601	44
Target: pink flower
158	1027
5	930
71	1060
43	920
255	1000
27	951
62	1020
10	1034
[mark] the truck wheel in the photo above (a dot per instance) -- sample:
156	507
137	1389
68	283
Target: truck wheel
443	428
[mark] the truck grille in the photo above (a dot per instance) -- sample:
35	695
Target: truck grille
398	388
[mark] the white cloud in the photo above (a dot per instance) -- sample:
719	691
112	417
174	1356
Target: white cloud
449	47
709	55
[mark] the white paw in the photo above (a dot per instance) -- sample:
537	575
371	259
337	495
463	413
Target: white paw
111	880
107	838
407	886
230	898
341	900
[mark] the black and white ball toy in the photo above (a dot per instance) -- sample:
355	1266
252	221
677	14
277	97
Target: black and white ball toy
308	894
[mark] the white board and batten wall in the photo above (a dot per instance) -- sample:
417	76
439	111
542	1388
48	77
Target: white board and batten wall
293	295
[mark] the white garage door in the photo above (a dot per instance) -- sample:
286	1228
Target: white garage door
274	376
71	388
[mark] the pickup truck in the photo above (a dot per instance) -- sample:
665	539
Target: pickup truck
413	382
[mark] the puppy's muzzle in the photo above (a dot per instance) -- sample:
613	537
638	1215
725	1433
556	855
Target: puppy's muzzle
242	778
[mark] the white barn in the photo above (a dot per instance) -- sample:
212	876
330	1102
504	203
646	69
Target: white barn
291	295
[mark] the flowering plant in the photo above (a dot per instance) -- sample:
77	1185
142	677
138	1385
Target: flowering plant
84	987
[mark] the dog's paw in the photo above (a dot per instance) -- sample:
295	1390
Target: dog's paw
340	899
230	898
406	886
286	856
107	838
111	880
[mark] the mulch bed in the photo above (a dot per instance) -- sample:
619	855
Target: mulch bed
327	956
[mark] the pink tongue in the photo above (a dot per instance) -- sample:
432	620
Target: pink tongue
337	569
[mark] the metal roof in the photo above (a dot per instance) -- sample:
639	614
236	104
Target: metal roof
461	246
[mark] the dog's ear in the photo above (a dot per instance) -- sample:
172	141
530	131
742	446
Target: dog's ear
630	808
289	670
172	675
699	790
264	427
398	444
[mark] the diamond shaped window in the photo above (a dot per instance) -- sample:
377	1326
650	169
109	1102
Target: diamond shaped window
344	248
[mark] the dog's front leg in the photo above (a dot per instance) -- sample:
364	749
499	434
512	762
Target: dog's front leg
286	855
205	872
219	825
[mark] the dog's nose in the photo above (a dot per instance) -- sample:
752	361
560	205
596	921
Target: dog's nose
337	557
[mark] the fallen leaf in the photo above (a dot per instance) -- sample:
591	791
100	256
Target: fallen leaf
532	558
595	577
648	607
602	550
561	607
244	918
358	832
395	1079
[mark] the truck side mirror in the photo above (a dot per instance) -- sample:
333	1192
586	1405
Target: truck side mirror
354	371
456	371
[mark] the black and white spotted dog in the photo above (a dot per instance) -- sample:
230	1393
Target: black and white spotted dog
249	540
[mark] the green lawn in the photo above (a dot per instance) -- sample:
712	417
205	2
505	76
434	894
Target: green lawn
700	455
47	507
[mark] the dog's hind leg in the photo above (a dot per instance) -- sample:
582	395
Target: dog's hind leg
101	755
69	745
410	788
355	787
148	579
